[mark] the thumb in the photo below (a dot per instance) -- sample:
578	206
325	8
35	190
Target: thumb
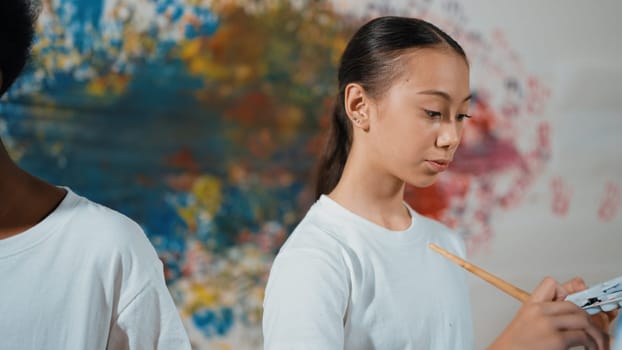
545	291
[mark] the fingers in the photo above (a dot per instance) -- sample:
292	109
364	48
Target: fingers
574	285
611	315
598	336
560	292
545	291
562	307
603	320
602	338
574	325
549	289
578	330
578	338
571	321
590	336
568	316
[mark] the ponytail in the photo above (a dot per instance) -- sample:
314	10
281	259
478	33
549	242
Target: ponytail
336	150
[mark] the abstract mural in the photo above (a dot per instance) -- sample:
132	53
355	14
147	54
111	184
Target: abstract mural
202	119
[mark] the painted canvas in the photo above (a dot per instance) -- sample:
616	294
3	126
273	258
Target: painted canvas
202	121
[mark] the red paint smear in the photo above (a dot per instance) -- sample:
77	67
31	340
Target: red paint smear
537	96
484	118
430	201
544	136
610	203
490	155
244	236
514	194
254	108
459	186
481	151
561	196
184	159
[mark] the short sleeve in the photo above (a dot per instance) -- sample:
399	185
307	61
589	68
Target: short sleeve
306	300
149	321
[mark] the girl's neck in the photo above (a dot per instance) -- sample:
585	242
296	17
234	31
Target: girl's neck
372	193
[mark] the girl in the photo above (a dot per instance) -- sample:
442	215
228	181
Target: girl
357	272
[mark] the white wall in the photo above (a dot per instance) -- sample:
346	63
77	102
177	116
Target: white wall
576	46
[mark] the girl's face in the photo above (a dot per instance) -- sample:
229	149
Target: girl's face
415	126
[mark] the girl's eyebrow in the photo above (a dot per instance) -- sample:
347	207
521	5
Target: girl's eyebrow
442	94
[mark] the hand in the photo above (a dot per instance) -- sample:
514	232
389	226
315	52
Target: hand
602	319
545	322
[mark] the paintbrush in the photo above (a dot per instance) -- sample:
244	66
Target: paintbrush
510	289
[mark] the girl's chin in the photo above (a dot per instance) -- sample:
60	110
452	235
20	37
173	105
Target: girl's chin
422	181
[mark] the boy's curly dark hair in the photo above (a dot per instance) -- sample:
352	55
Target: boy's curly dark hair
17	19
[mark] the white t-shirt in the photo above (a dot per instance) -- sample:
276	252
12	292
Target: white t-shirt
86	277
617	335
343	282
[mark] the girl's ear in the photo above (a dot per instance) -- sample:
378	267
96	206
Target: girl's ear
357	106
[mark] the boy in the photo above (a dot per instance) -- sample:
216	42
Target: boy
73	274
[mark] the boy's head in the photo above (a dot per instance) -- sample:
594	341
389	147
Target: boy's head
16	34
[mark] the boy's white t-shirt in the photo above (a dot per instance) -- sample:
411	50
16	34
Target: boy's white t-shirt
343	282
86	277
617	335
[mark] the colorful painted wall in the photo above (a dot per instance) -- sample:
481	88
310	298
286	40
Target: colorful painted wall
201	120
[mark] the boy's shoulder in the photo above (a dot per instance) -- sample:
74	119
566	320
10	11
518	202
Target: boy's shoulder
95	218
90	225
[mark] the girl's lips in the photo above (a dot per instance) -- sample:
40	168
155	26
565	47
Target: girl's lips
438	165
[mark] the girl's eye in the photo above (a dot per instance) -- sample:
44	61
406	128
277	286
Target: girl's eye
462	116
432	114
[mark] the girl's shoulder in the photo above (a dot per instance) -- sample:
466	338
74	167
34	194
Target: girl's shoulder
440	234
317	230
